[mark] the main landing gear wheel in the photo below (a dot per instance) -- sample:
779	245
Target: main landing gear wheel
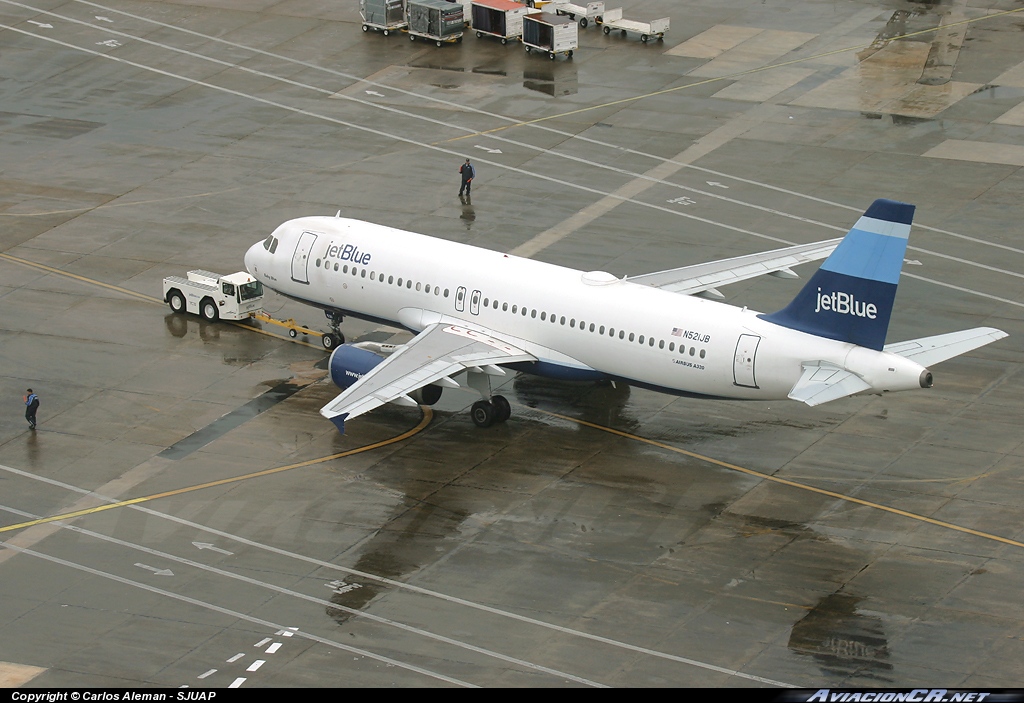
177	302
208	310
482	413
486	413
502	409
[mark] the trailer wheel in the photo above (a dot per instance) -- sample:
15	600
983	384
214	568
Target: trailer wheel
527	50
583	22
479	35
623	32
177	301
643	38
504	40
439	42
412	37
366	28
607	30
569	53
599	19
208	310
551	55
386	32
293	334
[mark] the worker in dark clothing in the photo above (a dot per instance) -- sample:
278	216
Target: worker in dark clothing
31	406
468	172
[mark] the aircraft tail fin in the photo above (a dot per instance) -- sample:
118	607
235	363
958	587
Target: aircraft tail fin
850	297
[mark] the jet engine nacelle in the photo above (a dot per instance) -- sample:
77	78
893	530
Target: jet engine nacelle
349	363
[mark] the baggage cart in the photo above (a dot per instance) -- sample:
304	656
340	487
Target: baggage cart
550	34
382	15
656	28
591	12
435	20
499	18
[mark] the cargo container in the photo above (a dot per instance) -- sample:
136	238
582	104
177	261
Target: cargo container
499	18
436	20
384	15
550	34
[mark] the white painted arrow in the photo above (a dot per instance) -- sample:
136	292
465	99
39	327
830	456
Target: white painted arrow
40	24
207	545
912	262
104	19
716	184
158	572
374	92
489	151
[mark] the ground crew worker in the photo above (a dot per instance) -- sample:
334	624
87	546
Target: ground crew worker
31	406
468	172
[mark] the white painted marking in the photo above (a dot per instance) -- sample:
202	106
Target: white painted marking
203	676
256	665
40	24
533	245
207	545
288	632
682	200
112	43
225	611
375	93
158	572
237	682
103	19
716	184
912	262
511	120
488	150
262	642
273	648
235	658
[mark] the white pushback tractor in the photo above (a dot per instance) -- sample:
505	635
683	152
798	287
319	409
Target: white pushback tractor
214	297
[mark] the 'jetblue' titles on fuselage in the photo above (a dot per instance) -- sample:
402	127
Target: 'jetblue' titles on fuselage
347	252
845	304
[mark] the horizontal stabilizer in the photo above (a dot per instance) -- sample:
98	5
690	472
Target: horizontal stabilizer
932	350
822	382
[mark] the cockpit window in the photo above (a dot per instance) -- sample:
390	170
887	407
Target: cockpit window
267	242
273	245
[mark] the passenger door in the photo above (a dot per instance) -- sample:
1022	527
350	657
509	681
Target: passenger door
300	259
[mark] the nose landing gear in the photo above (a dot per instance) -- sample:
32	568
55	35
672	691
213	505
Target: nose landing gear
334	337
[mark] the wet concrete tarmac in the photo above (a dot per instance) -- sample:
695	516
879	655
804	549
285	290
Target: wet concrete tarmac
225	534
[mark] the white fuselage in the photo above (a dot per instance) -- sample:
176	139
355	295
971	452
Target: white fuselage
577	324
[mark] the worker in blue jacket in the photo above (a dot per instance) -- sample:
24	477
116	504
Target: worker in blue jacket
31	406
468	173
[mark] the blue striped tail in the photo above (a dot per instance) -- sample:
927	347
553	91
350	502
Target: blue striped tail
850	297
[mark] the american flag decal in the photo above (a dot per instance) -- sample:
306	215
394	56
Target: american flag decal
676	332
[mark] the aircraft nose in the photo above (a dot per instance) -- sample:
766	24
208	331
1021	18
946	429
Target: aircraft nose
252	259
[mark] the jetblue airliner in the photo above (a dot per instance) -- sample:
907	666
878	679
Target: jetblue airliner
481	312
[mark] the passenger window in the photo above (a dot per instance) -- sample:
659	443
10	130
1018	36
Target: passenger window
591	326
514	308
504	307
417	287
336	268
363	273
543	317
701	353
631	336
426	288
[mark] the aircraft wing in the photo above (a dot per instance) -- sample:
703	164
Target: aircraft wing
437	352
822	382
704	277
